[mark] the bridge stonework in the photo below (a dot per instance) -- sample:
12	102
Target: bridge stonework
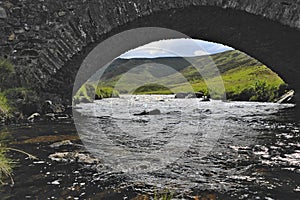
48	39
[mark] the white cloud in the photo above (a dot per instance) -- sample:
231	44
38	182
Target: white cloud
176	47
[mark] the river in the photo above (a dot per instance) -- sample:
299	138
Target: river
220	150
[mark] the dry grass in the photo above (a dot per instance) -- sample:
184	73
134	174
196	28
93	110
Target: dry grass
49	138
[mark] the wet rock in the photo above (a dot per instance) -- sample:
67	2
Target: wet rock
73	157
62	143
34	117
152	112
3	14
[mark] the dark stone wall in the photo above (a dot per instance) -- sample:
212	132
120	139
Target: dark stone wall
48	39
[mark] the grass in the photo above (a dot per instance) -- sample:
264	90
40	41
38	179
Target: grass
5	107
5	165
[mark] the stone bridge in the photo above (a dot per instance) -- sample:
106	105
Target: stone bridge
47	40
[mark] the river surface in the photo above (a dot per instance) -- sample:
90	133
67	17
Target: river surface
212	150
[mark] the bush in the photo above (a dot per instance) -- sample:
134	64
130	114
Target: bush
105	92
152	89
260	91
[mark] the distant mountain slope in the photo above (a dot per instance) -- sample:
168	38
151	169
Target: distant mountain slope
238	71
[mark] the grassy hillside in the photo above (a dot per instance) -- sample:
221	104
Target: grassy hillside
244	78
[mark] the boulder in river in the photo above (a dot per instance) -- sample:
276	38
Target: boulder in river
152	112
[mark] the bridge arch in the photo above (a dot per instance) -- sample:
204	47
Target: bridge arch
47	41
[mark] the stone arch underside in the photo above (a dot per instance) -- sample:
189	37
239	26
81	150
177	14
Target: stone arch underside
47	41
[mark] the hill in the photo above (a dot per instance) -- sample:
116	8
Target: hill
243	77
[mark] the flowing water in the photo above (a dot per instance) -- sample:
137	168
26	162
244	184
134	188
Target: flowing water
230	150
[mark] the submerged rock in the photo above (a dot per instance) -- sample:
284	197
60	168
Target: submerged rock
152	112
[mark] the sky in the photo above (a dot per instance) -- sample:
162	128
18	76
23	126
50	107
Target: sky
176	48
